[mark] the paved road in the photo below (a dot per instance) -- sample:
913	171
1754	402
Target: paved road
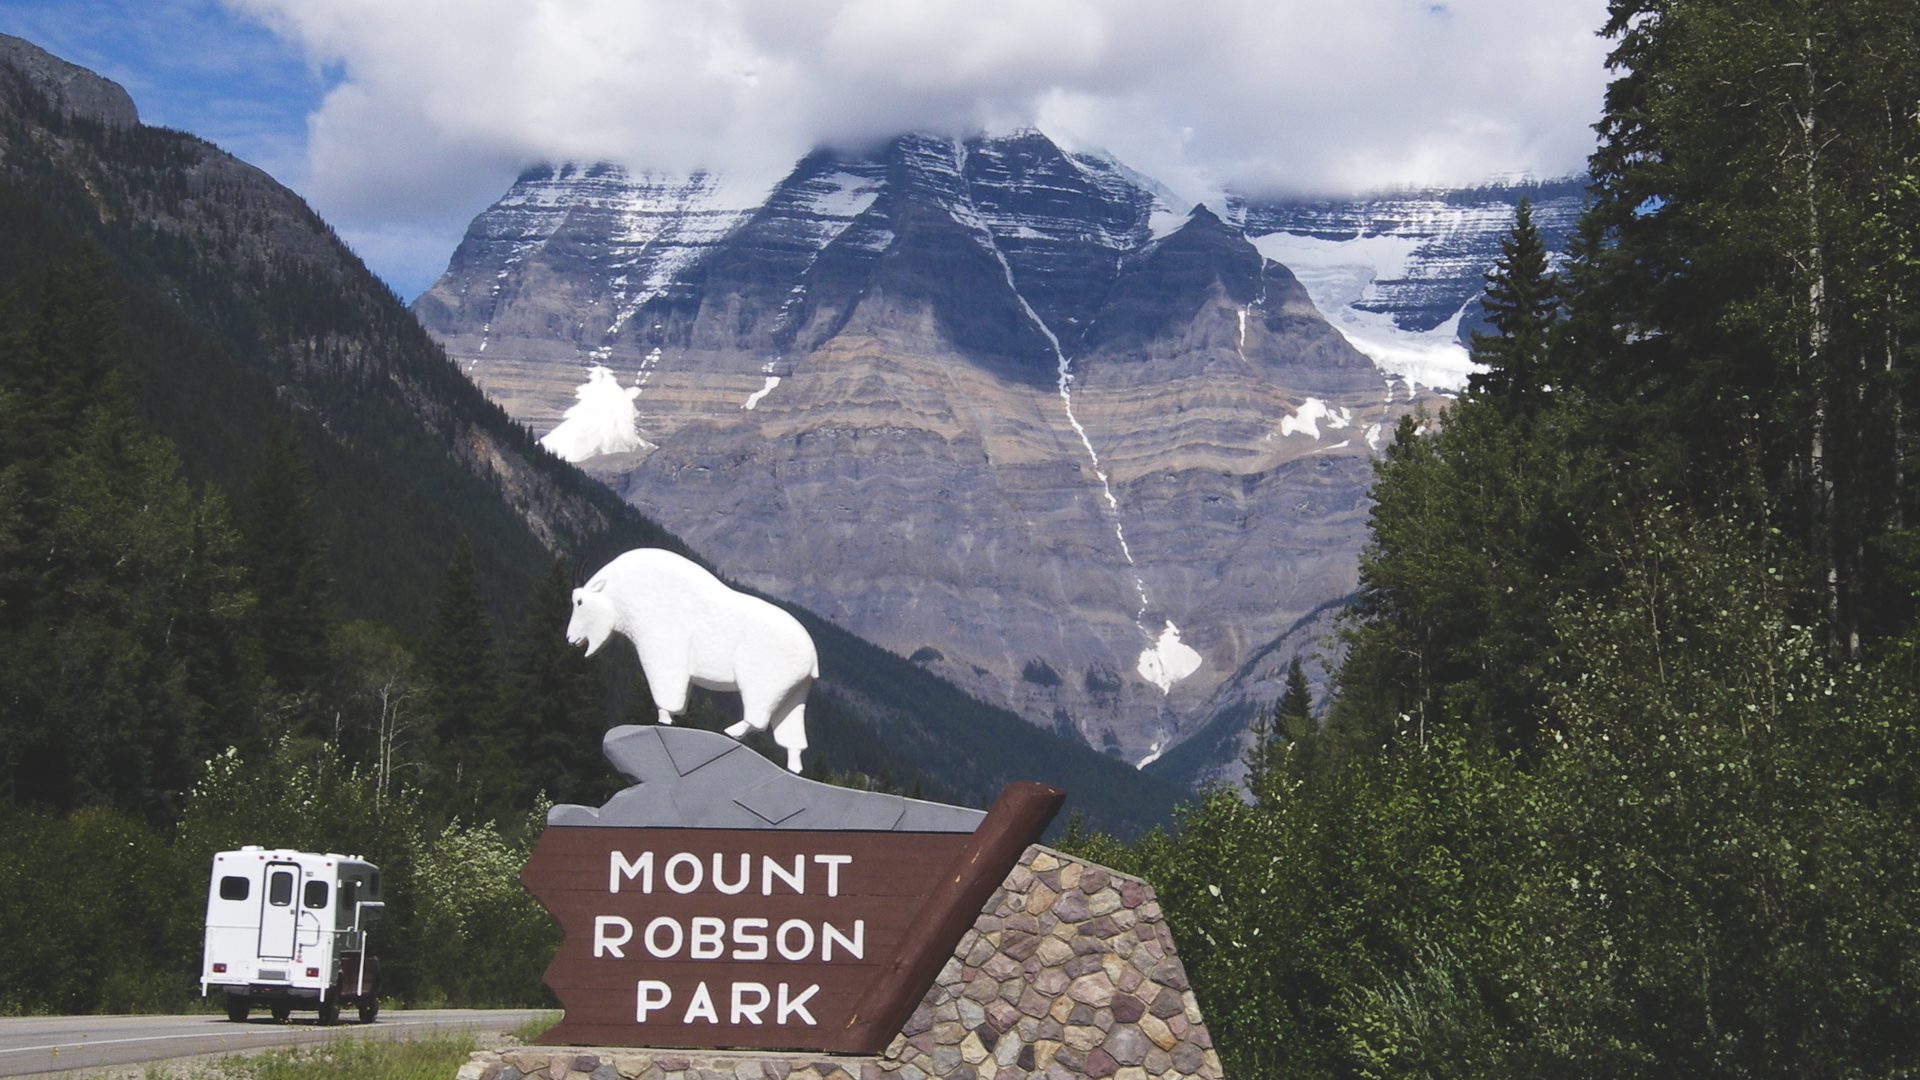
36	1044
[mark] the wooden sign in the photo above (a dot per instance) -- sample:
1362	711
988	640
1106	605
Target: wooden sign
790	939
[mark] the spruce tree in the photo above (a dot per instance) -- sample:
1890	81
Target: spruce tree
461	670
551	708
1521	305
286	567
1295	711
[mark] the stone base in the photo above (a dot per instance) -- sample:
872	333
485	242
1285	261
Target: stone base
1069	972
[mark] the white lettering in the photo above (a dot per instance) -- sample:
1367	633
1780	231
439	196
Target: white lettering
604	943
648	1002
833	863
742	1008
797	1005
701	1007
682	859
780	939
756	944
653	946
707	932
858	946
746	874
797	881
618	867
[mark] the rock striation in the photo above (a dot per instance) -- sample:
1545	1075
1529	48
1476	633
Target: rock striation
1002	408
1069	972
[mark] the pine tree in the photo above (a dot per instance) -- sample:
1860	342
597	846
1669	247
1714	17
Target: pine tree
551	707
287	567
1521	305
461	671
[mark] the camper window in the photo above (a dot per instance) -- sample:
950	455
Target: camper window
234	888
316	895
280	888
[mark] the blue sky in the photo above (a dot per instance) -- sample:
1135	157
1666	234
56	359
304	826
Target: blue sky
192	65
199	66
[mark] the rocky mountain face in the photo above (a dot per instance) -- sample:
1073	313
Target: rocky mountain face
996	406
241	311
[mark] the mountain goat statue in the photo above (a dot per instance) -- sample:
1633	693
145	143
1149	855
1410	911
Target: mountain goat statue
690	629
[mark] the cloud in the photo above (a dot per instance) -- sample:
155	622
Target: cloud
438	100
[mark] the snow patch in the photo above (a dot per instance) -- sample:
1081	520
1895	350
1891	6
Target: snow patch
1307	420
1168	661
602	421
756	397
842	195
1164	223
1339	275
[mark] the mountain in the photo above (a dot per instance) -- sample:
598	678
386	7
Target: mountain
241	311
997	406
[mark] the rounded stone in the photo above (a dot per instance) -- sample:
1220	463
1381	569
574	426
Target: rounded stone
1126	1045
1072	907
1095	989
1100	1064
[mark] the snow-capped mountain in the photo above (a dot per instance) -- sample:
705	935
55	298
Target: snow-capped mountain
995	405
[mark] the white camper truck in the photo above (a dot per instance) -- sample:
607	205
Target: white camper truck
287	930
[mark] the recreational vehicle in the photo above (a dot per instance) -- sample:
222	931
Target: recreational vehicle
287	930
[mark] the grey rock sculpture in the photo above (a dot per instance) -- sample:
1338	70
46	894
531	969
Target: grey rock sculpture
692	779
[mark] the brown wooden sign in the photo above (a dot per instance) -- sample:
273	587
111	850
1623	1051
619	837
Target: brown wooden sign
819	940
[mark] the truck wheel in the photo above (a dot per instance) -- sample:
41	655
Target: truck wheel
369	1008
237	1008
280	1012
329	1013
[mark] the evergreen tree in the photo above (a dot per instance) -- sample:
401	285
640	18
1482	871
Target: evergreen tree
1295	710
122	656
552	702
1749	287
461	671
1520	303
287	567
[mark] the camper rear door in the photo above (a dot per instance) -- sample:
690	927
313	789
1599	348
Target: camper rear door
279	910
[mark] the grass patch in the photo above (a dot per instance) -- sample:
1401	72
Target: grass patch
431	1057
536	1027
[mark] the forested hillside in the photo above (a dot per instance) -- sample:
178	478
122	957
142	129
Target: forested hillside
273	571
1620	773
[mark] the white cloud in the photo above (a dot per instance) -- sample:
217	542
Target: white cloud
440	100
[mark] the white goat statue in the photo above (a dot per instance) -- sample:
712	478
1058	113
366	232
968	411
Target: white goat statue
690	629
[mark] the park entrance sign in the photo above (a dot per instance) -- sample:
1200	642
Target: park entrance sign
724	902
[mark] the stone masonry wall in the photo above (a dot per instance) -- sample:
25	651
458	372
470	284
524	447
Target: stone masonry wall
1069	972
